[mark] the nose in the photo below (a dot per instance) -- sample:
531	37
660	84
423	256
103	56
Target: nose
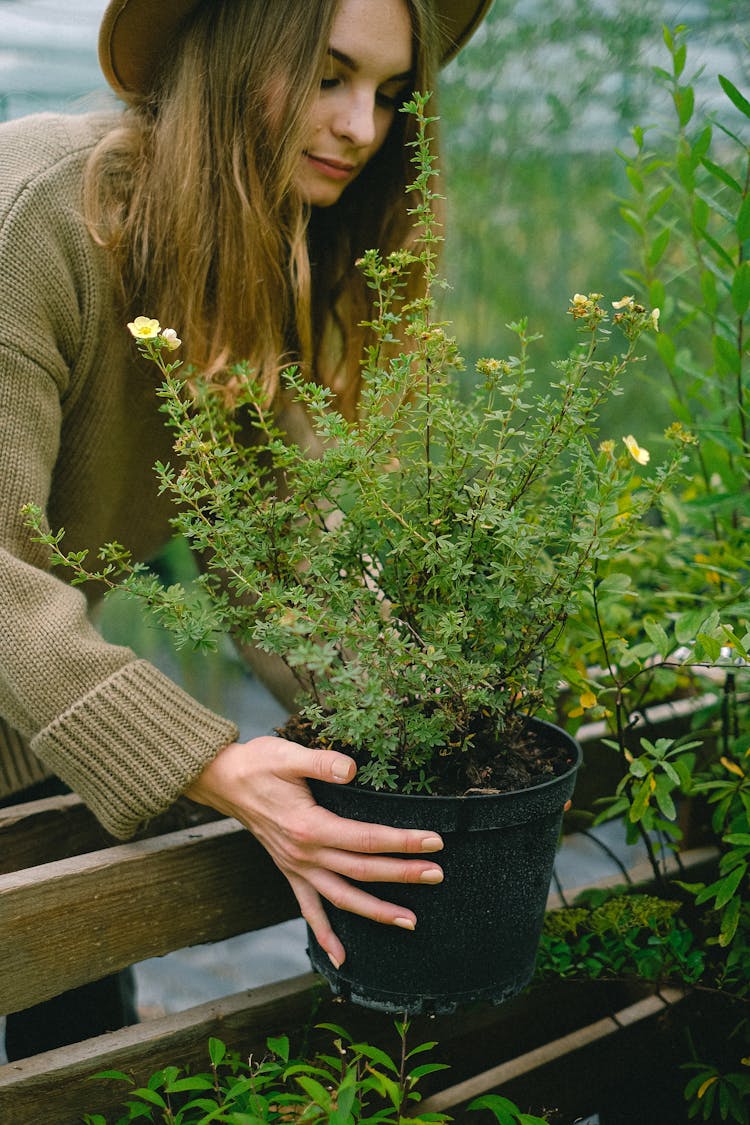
356	120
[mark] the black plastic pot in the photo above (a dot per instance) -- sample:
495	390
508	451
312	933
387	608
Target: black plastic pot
477	931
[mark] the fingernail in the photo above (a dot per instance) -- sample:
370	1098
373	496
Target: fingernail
336	964
432	844
435	875
404	923
341	770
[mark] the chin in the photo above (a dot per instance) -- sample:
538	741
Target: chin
322	197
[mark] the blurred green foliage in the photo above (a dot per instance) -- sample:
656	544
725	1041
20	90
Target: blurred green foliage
533	111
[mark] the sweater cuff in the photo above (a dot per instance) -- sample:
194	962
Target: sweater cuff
130	747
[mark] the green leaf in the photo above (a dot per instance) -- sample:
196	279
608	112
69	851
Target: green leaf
658	201
421	1048
726	355
636	180
506	1112
729	921
150	1096
708	290
279	1046
656	633
734	95
314	1090
664	798
678	59
656	294
665	347
116	1074
684	100
195	1083
641	800
375	1055
720	173
216	1051
743	220
723	889
709	646
614	584
658	247
688	625
427	1068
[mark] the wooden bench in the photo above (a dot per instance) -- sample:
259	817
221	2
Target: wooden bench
76	905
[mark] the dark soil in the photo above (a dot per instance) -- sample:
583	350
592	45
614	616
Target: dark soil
523	758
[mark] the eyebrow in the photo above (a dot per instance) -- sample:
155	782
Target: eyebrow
352	64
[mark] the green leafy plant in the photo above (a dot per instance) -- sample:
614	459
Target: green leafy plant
689	210
688	218
710	1090
349	1083
605	934
417	574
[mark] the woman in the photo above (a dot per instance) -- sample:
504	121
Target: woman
261	152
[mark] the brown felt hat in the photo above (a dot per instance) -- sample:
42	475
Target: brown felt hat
134	33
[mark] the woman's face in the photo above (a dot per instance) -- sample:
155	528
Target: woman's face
369	69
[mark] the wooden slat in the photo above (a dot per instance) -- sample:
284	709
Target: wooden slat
47	830
60	827
55	1087
76	920
499	1077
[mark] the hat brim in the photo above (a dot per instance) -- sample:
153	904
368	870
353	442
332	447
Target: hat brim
134	34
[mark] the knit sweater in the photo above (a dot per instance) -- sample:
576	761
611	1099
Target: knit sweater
79	434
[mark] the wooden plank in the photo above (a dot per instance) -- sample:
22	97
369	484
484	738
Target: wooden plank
47	830
76	920
498	1077
56	1087
60	827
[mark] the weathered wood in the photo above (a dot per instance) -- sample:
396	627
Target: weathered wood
76	920
60	827
56	1087
499	1077
47	830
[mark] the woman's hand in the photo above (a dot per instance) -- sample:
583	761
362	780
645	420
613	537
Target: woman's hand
262	784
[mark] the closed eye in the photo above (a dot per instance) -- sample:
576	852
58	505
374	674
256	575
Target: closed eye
391	101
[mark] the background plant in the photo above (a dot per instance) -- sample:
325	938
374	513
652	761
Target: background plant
349	1083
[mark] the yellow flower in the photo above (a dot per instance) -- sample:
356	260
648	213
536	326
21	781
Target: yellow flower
170	338
655	314
624	302
607	447
143	328
642	456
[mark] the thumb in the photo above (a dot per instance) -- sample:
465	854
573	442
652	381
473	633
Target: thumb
333	766
322	765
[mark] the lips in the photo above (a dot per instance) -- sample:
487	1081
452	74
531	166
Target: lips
330	167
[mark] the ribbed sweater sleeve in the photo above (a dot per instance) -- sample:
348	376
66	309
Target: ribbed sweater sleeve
79	433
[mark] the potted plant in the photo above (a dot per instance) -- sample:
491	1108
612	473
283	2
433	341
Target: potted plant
415	575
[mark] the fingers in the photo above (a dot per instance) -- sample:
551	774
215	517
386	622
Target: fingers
328	765
343	895
312	911
356	901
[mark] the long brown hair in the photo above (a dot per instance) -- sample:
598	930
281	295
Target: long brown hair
193	194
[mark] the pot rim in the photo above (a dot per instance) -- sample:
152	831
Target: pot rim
507	794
